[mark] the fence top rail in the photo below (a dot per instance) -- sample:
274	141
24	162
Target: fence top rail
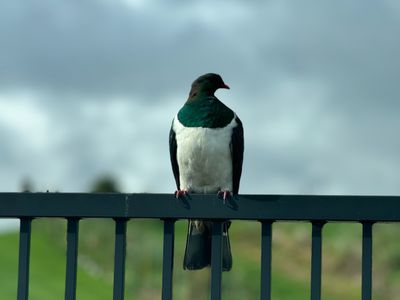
164	206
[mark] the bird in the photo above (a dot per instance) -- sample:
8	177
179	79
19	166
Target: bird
206	146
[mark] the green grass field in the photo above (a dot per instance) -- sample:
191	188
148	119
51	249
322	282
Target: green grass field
290	265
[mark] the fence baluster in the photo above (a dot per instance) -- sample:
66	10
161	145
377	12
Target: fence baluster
266	252
216	260
168	259
366	281
72	258
316	260
119	258
24	257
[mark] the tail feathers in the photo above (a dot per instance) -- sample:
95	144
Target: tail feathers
198	246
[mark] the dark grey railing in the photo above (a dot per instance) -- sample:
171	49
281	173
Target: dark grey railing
265	208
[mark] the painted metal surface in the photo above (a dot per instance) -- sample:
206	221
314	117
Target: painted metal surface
264	208
162	206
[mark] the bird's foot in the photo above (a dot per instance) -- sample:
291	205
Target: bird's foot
181	193
224	194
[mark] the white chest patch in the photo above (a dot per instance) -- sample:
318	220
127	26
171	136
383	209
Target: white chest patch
204	157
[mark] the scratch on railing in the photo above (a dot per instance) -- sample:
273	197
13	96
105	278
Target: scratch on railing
126	208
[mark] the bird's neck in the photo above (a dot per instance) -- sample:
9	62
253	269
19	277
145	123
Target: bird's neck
205	111
199	93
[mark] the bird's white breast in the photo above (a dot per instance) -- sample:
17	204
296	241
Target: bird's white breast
204	157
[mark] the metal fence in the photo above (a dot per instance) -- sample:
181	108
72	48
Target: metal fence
264	208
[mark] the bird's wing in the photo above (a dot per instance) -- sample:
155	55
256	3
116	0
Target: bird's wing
172	152
237	148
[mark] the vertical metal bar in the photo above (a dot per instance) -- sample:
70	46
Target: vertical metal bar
316	260
216	260
266	253
168	259
24	257
366	281
119	259
72	258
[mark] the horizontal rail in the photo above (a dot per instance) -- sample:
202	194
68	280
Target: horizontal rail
164	206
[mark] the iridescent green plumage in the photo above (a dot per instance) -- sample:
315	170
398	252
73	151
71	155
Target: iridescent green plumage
205	111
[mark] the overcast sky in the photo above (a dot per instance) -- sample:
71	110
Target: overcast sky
90	88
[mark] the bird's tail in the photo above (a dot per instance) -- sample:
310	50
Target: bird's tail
198	246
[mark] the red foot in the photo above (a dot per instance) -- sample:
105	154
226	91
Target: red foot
179	193
225	194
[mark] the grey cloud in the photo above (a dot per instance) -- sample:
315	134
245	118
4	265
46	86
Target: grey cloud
97	48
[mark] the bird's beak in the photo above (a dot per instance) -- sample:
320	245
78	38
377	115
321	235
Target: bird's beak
224	86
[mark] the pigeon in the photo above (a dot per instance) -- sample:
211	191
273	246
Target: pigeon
206	149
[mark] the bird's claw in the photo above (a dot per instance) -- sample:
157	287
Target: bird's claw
180	193
225	194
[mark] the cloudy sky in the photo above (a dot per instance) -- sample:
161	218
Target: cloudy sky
90	88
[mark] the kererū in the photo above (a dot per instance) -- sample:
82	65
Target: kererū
206	148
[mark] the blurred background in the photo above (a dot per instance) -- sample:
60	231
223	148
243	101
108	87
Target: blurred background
88	90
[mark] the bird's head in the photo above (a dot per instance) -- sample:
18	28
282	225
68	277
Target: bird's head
207	84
